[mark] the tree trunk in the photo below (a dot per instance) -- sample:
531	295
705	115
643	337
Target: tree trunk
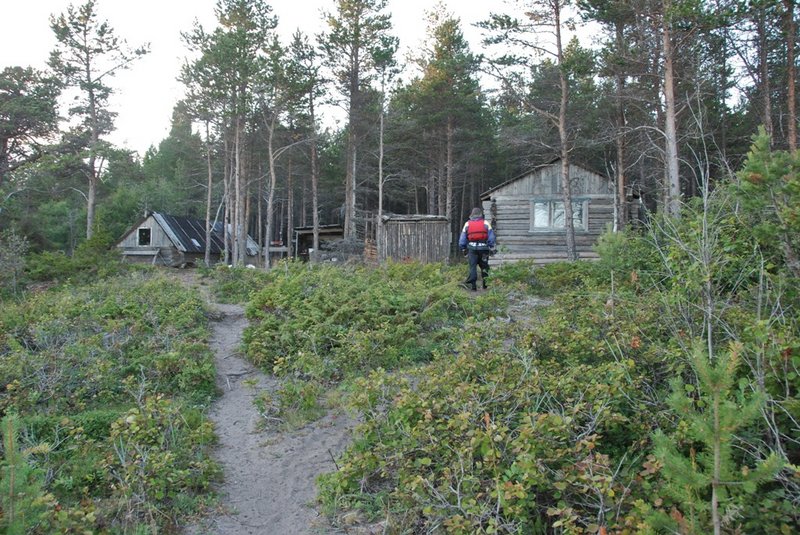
237	193
260	215
314	178
226	197
441	178
209	187
91	197
352	151
566	186
763	69
670	130
448	211
91	200
289	207
270	192
622	197
431	191
380	166
246	216
791	31
349	186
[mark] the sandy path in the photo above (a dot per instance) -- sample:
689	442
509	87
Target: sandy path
269	477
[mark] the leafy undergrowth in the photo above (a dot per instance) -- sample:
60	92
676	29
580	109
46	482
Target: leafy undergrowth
548	426
609	410
103	389
328	323
234	284
510	433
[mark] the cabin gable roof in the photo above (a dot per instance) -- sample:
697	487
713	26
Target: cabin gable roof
545	180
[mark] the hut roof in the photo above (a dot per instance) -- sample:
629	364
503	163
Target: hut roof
189	235
323	229
412	217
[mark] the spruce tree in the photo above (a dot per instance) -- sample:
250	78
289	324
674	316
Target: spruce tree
703	475
23	502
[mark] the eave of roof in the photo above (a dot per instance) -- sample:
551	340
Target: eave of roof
413	217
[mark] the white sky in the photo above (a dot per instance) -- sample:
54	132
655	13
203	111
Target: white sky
145	94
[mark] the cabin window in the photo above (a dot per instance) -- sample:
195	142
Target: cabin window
144	236
549	215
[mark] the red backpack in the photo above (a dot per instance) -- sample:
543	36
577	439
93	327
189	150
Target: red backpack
476	230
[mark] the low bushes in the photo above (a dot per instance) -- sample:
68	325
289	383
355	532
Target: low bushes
107	383
497	439
328	323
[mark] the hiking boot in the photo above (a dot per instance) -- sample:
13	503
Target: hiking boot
484	284
469	286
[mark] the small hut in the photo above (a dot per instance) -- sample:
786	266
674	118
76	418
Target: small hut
527	213
162	239
304	239
420	237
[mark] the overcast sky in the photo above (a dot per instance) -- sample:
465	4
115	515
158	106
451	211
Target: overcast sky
145	95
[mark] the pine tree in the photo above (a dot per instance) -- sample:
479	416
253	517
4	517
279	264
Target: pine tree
87	55
703	476
24	504
357	37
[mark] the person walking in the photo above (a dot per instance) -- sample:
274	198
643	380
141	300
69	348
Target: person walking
477	242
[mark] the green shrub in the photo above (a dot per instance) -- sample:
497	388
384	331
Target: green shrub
235	285
625	253
494	436
327	322
559	277
111	381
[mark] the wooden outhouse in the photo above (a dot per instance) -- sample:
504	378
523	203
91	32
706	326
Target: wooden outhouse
420	237
527	213
162	239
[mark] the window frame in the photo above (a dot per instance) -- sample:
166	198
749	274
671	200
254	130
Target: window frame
149	237
551	203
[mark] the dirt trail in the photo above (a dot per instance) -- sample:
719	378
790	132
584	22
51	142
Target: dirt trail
269	476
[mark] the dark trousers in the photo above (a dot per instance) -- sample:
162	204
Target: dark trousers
477	258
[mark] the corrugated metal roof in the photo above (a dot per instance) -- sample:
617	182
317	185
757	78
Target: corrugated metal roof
189	235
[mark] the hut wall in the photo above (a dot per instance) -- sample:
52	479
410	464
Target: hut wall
159	251
158	238
426	241
511	209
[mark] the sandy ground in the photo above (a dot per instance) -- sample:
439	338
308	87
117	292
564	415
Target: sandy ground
269	476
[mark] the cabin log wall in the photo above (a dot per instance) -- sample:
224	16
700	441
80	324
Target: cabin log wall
509	208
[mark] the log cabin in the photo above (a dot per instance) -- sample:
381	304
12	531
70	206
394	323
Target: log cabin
527	213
